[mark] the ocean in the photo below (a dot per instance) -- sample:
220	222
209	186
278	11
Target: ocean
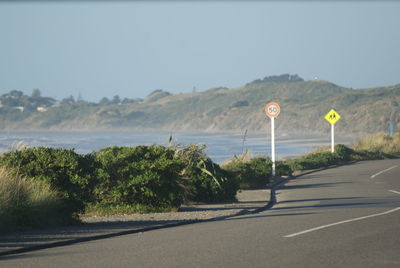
220	146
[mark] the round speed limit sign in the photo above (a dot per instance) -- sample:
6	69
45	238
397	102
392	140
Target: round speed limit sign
272	109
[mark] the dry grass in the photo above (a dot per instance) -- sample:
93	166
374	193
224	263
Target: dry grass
322	149
380	142
25	203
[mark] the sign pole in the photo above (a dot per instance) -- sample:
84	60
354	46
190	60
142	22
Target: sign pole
333	138
272	110
332	117
273	145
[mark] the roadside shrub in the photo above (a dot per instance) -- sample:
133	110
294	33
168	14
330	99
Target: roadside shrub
323	157
27	203
344	153
142	177
283	169
205	180
369	155
313	161
254	173
67	172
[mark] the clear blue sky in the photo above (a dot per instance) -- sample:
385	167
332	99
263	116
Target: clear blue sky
132	48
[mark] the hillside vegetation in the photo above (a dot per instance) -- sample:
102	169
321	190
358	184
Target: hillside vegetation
303	106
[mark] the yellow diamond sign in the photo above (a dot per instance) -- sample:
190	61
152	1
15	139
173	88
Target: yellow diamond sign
332	117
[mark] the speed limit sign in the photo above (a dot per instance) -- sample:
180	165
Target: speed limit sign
272	109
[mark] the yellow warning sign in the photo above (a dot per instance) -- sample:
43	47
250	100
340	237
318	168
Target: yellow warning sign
332	117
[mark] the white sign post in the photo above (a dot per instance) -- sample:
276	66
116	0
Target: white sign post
272	110
332	117
333	138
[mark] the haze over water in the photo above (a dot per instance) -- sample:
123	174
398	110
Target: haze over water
220	146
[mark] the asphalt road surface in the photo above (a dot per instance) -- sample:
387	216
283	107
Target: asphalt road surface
341	217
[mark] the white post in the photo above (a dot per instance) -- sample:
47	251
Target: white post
333	138
273	145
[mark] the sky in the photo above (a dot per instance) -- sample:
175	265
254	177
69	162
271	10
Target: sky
131	48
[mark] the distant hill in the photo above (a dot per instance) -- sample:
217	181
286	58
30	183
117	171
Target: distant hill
303	106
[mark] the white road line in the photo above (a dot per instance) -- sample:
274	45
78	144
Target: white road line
393	191
373	176
341	222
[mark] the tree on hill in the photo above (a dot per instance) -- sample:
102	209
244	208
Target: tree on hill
104	101
68	101
283	78
157	94
36	94
116	100
16	98
12	99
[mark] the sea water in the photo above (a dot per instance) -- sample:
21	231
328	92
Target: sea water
219	146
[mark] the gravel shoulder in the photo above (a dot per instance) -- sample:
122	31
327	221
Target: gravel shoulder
248	200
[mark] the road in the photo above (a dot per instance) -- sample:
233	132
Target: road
347	216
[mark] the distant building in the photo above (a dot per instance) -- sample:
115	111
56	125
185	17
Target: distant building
20	108
41	109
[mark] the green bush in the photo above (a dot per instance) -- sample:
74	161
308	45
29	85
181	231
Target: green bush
136	177
313	161
67	172
322	157
254	173
361	155
344	153
27	203
283	169
205	180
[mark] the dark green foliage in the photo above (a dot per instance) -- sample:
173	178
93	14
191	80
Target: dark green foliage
313	161
139	176
252	174
343	152
341	155
67	172
205	180
360	155
255	173
283	169
283	78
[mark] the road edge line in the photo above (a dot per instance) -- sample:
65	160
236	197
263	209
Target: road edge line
383	171
341	222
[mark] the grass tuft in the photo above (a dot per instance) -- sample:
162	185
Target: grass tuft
26	204
380	143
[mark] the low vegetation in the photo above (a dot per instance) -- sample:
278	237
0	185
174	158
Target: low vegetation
253	173
27	203
143	178
380	144
68	173
205	181
116	180
48	186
